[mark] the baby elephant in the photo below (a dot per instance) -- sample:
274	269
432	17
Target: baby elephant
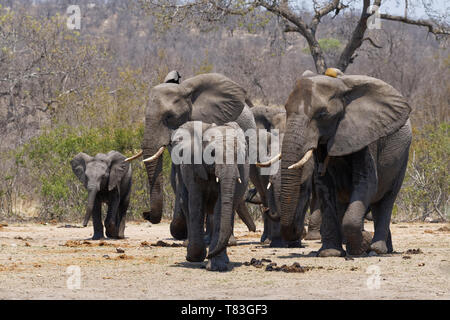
107	177
210	187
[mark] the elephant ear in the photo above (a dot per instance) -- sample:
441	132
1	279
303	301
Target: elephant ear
118	169
78	164
373	109
215	98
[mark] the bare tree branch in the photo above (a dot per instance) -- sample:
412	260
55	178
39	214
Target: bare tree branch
424	23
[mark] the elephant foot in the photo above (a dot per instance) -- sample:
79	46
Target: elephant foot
232	241
267	241
152	217
178	229
111	230
313	235
379	247
98	236
264	237
331	253
278	243
366	240
295	244
218	263
196	250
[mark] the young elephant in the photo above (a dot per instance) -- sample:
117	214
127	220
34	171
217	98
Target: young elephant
108	179
210	187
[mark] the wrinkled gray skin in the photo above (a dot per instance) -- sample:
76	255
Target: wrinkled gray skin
269	118
203	195
178	226
210	98
362	125
108	180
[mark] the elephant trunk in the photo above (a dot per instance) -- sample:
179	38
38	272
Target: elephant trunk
92	194
227	189
155	181
293	149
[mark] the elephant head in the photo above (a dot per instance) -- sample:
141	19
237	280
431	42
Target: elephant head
340	113
101	173
211	98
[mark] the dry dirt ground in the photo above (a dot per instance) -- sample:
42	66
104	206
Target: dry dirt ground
36	260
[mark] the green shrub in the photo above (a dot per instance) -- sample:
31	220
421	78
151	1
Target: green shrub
62	196
425	191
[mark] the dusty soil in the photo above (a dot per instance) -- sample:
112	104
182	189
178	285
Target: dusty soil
34	261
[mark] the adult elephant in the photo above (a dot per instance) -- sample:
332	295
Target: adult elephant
353	133
214	188
269	186
210	98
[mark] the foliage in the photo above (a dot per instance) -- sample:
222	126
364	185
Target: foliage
426	187
328	45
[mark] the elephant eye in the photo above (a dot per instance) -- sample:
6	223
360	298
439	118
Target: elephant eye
169	120
321	114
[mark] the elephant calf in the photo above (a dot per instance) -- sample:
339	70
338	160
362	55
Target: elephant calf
107	177
211	187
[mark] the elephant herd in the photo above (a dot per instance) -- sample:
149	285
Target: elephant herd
341	149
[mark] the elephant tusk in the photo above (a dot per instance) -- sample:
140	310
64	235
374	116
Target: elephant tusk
269	163
134	157
239	180
156	155
268	186
303	160
217	179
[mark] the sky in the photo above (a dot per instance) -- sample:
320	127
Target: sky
397	7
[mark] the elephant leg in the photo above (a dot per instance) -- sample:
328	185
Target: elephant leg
178	225
232	241
315	220
330	231
255	178
209	228
123	207
97	221
364	187
266	231
220	261
112	217
196	249
381	213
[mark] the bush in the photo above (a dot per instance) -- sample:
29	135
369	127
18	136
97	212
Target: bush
425	191
62	196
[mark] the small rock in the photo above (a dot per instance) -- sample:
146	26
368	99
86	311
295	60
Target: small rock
120	250
406	257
